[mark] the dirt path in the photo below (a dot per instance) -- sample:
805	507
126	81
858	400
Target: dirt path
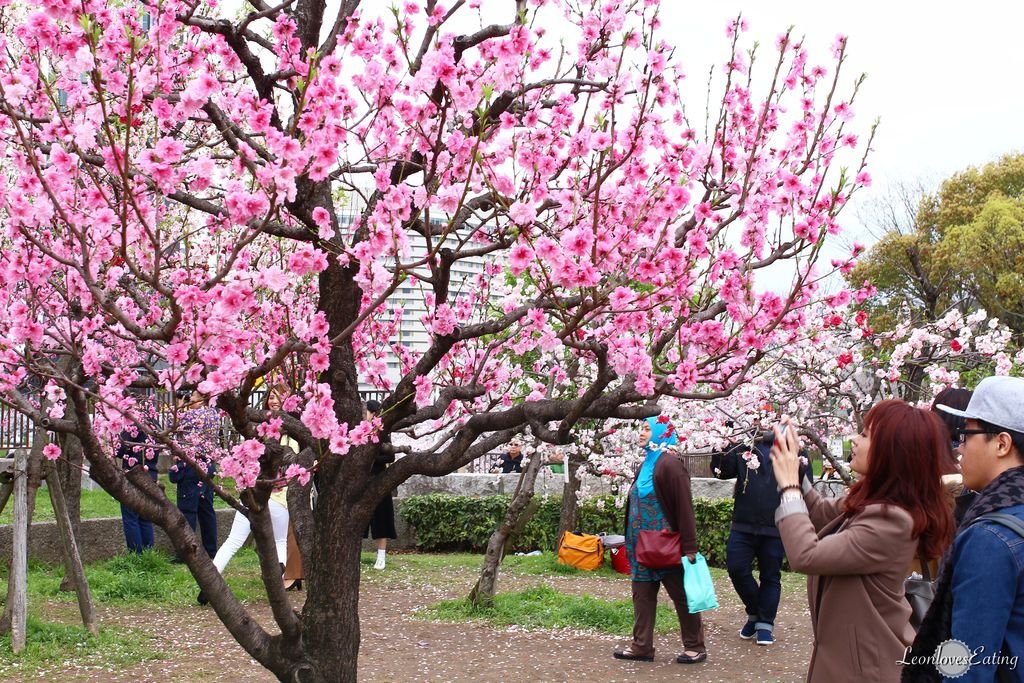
398	647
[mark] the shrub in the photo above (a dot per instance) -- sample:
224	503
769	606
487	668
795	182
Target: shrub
714	518
445	522
452	523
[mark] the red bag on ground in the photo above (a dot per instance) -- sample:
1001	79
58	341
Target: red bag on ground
620	560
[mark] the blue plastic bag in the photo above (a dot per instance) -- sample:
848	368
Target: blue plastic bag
700	589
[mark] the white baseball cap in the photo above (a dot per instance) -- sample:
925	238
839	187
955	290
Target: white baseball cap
998	401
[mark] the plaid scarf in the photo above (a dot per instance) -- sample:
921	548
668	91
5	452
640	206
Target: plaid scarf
1004	491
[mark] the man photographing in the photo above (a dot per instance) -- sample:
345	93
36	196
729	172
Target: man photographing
753	534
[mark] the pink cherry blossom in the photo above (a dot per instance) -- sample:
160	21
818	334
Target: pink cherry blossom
522	213
313	205
299	473
424	388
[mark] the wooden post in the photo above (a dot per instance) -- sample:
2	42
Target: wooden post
72	559
19	562
5	494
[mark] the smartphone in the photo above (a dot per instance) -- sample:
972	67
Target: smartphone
768	436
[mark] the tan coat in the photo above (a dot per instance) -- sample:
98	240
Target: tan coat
856	568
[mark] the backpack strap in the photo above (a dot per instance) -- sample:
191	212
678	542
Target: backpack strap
1004	519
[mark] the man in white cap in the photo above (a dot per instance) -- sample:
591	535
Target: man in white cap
979	599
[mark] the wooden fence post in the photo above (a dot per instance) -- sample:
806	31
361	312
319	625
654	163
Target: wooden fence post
19	563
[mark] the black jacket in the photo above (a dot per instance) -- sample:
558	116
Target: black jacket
508	464
756	495
133	450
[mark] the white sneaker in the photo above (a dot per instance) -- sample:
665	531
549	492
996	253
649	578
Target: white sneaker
379	564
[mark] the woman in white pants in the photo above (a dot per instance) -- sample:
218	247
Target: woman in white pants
240	530
240	526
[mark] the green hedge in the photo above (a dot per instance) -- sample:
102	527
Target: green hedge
714	518
444	522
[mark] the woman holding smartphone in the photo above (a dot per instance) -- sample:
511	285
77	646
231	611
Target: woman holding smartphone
857	549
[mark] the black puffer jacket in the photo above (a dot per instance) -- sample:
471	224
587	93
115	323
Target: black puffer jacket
757	493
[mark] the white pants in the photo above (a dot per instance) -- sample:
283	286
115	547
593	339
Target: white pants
240	534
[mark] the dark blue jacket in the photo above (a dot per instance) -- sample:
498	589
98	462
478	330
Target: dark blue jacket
988	596
190	487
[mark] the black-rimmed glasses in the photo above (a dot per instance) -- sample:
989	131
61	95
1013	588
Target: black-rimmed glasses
961	434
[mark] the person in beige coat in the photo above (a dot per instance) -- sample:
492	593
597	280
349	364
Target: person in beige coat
857	550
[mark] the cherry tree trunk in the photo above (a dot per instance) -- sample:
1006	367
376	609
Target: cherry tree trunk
331	615
483	592
569	518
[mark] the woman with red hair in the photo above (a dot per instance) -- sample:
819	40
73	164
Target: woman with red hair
856	550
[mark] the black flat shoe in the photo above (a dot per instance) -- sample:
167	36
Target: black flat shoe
201	599
631	656
687	659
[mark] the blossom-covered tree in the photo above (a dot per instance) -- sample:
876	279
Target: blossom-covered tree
196	201
829	374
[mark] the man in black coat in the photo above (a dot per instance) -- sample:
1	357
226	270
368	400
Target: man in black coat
753	533
199	435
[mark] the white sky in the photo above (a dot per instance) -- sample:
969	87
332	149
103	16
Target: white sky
944	78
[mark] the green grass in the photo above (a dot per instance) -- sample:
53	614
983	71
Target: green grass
148	579
543	607
50	648
130	581
430	563
439	568
547	563
95	504
427	567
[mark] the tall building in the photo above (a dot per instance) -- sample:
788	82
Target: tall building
412	333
